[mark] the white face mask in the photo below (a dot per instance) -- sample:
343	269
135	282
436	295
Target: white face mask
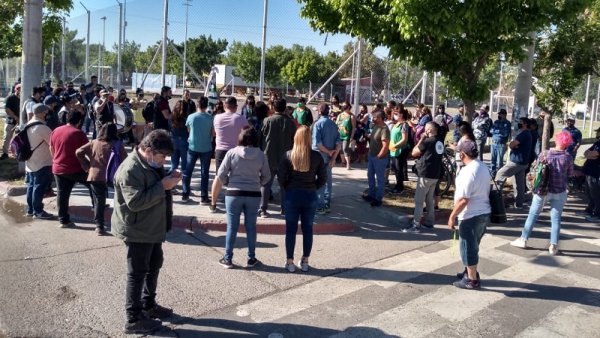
396	117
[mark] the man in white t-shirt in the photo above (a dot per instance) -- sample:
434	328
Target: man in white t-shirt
472	209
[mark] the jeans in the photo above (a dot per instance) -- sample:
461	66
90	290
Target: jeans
557	202
375	176
37	185
144	261
64	185
99	190
235	205
400	164
324	193
266	191
518	171
299	204
498	151
481	147
9	130
471	231
219	156
593	193
180	149
192	157
424	193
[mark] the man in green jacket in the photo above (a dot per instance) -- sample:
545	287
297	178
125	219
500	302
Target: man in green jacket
142	216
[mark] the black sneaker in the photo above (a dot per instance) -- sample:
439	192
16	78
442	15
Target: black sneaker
428	226
367	198
187	200
4	156
467	283
463	274
44	215
376	203
204	200
158	311
226	263
263	213
252	262
142	326
100	231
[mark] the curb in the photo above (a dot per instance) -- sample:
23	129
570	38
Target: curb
6	189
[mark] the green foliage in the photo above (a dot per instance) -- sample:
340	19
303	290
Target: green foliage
276	58
456	37
303	67
246	59
204	52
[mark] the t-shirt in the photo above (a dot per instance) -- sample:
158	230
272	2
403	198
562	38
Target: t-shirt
344	123
39	139
12	102
429	165
521	154
592	167
473	182
200	124
227	127
303	116
576	136
396	136
64	141
378	135
160	122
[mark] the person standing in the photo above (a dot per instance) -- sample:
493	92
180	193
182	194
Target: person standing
360	135
347	126
518	162
301	172
472	210
248	110
142	217
94	158
179	136
277	138
560	168
227	129
481	129
162	113
378	159
188	105
456	120
326	140
428	152
575	136
64	141
38	168
591	169
302	114
500	134
11	107
245	169
104	111
200	127
399	146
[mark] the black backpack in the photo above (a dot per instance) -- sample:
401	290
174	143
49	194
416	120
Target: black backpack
20	148
149	110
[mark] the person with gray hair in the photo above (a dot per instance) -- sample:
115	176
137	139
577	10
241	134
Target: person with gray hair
428	152
378	158
143	211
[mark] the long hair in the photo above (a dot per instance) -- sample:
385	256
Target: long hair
108	133
179	116
300	156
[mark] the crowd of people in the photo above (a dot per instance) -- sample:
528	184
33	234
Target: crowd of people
267	141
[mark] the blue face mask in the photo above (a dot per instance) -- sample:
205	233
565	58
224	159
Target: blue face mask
153	164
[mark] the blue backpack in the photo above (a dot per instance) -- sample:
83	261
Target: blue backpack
114	161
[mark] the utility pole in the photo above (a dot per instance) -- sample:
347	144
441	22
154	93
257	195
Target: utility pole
102	48
424	87
120	44
31	57
51	64
262	52
434	103
357	83
187	8
62	57
163	65
87	44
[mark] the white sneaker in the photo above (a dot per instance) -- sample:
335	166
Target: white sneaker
303	266
519	243
553	249
290	267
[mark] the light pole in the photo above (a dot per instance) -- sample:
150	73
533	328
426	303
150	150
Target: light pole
262	52
502	59
187	8
120	44
102	48
163	65
62	55
87	44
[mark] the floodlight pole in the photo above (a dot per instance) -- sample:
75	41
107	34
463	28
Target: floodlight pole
262	52
163	70
87	43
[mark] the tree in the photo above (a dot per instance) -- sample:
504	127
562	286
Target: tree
458	38
369	61
277	57
11	24
245	57
204	52
303	67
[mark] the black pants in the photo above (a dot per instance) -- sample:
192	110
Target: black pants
593	192
400	164
99	190
219	156
64	185
144	261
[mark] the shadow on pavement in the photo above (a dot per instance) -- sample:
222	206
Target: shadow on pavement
569	294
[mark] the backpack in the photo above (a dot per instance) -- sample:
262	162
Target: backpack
114	161
538	178
148	111
20	148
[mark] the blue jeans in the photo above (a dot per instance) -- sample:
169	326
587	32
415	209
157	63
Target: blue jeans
299	204
471	231
37	185
375	175
235	205
557	202
180	145
192	157
324	193
498	151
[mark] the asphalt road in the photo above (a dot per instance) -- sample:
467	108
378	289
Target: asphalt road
376	282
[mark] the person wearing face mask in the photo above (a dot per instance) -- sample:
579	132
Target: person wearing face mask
520	151
575	135
591	169
399	146
500	134
379	141
162	115
143	211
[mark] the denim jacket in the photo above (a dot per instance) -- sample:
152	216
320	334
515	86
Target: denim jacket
500	131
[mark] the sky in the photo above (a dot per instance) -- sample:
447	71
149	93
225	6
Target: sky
234	20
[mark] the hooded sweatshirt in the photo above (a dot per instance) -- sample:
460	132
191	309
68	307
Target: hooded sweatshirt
244	170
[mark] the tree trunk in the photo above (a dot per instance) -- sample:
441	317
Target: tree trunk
469	110
523	85
546	136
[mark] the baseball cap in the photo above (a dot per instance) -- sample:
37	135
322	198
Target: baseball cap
50	99
468	147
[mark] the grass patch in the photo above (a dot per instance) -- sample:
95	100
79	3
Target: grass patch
405	202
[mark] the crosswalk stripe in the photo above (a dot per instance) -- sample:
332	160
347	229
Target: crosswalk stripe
564	322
